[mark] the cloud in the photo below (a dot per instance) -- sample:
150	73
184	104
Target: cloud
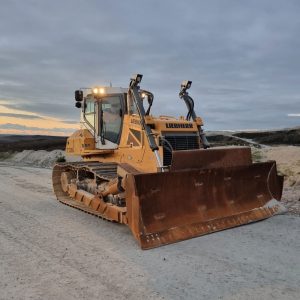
71	122
242	57
6	83
21	116
57	110
293	115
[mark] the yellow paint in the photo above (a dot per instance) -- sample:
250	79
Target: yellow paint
139	156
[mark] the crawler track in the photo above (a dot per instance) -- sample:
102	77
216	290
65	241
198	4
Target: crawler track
82	200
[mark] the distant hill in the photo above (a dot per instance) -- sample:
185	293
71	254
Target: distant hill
225	139
16	143
276	137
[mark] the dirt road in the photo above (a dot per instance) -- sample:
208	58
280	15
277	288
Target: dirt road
51	251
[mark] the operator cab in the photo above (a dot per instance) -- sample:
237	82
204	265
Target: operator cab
103	109
102	113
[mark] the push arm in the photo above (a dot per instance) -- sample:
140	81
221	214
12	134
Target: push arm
191	112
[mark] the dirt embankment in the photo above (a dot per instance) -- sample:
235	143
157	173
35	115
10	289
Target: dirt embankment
39	158
34	150
288	164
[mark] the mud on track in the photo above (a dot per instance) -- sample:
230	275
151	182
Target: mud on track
51	251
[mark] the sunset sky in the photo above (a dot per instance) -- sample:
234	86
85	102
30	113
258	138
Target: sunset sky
15	121
242	56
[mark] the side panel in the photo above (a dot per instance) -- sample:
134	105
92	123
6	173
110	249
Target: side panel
79	141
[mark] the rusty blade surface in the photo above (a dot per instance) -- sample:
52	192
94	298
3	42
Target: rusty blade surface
164	208
218	157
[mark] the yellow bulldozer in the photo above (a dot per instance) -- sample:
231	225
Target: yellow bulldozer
159	175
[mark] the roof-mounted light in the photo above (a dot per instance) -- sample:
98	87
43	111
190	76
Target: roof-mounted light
97	91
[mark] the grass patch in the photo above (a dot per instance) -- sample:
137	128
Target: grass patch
5	155
256	155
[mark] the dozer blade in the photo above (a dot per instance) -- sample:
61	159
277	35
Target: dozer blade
164	208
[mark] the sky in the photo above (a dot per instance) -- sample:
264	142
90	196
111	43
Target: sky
242	56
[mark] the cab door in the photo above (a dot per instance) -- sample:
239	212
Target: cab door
110	111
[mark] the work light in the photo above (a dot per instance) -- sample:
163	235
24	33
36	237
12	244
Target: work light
186	84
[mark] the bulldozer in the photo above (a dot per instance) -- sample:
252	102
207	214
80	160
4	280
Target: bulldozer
159	175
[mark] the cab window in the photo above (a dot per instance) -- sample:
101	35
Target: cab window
132	106
90	112
112	118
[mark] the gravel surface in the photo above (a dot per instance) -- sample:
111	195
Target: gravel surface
52	251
